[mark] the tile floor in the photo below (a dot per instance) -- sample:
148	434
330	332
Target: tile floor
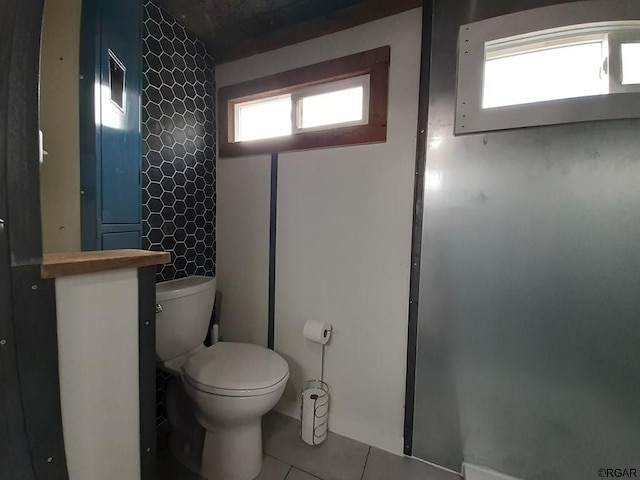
338	458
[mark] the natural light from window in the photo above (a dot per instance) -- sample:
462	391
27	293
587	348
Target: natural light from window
545	74
565	63
265	118
630	63
332	108
324	106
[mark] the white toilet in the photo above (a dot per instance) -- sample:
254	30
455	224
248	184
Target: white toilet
231	385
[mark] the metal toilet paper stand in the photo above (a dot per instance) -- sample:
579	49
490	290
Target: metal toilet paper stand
314	406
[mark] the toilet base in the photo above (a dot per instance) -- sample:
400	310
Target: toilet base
234	453
231	453
186	438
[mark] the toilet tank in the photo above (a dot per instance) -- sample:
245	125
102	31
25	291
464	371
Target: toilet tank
183	309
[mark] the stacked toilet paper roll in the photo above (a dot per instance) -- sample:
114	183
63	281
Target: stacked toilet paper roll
318	332
315	413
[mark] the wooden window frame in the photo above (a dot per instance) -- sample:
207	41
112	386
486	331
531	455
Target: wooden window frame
374	63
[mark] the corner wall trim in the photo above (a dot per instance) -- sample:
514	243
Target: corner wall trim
416	235
273	212
147	368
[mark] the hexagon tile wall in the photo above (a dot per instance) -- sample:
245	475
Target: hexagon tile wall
178	130
178	146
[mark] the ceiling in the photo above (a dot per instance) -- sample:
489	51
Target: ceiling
238	28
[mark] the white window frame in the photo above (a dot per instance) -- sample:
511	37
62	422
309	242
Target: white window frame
558	23
616	39
334	86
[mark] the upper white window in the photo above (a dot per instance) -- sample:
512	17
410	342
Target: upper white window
543	71
339	103
558	64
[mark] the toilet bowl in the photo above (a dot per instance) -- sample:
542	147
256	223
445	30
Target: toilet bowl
231	385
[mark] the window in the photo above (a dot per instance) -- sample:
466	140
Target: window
267	118
345	102
630	53
540	72
553	65
116	81
339	102
558	64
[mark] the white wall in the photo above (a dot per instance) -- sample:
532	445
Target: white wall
343	241
99	374
242	247
59	107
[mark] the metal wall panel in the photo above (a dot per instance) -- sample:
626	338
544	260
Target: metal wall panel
31	440
528	337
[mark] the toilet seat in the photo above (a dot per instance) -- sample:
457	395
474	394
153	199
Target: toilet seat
236	370
235	393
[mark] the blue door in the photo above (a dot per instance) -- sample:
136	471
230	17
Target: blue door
111	58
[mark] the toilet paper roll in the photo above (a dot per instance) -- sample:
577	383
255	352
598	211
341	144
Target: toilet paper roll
314	421
317	332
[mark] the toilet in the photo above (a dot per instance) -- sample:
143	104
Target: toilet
218	395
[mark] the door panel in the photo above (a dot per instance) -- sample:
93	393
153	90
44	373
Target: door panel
110	119
121	142
120	240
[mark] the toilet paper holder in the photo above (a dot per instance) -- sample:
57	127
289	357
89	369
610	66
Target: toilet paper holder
314	405
320	333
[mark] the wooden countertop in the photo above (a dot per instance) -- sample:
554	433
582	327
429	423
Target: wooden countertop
78	263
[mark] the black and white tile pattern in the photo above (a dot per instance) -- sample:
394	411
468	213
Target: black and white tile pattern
178	131
178	146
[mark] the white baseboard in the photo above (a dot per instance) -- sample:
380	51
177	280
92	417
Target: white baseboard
476	472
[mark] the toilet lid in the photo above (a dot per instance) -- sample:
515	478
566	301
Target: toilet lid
236	366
